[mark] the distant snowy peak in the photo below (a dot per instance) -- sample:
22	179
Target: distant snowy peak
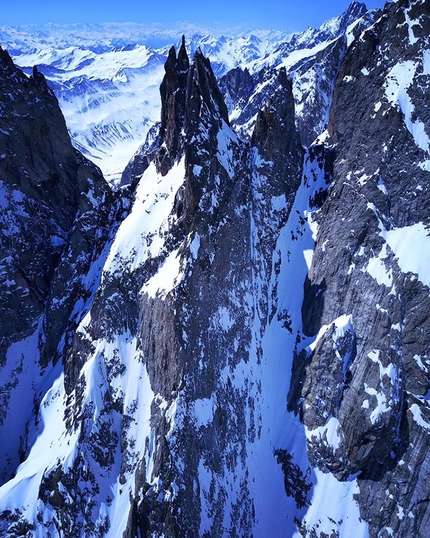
311	59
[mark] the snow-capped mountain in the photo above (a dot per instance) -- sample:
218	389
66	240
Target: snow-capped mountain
235	341
107	77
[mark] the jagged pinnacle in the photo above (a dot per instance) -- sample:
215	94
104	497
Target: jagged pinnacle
183	62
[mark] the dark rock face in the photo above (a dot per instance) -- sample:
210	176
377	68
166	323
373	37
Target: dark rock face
191	348
237	85
364	372
55	209
187	357
173	100
277	139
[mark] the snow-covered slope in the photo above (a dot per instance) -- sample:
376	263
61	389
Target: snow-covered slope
235	342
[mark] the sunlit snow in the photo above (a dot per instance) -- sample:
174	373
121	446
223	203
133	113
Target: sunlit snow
411	246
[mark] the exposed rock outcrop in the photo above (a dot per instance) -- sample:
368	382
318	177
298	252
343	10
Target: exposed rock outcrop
55	215
369	374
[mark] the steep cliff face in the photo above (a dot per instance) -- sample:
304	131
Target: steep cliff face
54	208
235	345
364	384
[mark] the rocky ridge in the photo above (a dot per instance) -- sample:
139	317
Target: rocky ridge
55	209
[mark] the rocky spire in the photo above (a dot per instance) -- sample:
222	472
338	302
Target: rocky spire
276	137
183	62
40	81
172	92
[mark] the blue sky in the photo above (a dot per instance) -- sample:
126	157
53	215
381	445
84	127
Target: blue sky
287	15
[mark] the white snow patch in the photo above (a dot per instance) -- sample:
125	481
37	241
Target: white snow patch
381	186
52	444
418	417
426	62
223	319
204	410
381	406
390	370
225	137
308	254
397	83
166	278
329	433
342	324
298	55
334	509
194	246
312	223
279	202
411	246
421	365
140	235
409	22
425	165
362	180
377	269
170	417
